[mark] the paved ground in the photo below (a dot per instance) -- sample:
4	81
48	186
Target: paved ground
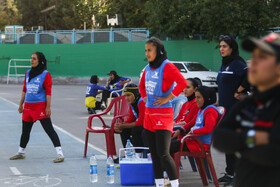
69	116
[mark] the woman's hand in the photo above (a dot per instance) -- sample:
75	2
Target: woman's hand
48	111
118	128
160	101
176	134
20	109
190	133
145	99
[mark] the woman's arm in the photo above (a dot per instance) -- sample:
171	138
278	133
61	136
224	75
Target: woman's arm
210	120
20	107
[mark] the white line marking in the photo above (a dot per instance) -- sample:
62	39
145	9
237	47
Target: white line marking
65	132
15	171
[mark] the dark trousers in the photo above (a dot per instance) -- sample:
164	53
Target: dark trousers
135	135
175	146
47	126
159	145
230	162
106	95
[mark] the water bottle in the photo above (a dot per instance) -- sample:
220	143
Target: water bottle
93	169
129	153
110	170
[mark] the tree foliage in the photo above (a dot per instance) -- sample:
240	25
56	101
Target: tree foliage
8	13
177	19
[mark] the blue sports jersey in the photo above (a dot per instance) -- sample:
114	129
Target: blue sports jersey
199	123
34	89
153	85
92	90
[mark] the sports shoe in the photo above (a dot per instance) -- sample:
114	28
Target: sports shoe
91	111
103	106
18	156
226	179
60	158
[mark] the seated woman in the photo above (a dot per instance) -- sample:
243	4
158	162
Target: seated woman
189	109
207	118
92	91
114	83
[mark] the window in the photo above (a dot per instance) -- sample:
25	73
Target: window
180	67
195	67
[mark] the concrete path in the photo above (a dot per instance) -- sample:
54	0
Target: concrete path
69	116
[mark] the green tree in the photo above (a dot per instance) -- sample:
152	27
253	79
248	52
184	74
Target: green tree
8	13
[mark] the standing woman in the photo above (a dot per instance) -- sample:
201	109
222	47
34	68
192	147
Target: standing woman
230	76
36	96
156	87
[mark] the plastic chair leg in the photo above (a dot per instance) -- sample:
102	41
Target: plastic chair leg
192	163
207	169
212	169
177	159
86	144
201	169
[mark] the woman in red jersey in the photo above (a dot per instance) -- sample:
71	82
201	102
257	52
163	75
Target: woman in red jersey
157	88
36	97
204	123
189	109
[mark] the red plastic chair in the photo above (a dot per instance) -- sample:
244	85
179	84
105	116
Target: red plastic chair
199	156
121	108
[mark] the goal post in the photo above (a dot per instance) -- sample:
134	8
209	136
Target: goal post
15	64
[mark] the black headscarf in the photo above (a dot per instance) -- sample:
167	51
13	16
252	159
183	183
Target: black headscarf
93	79
41	66
208	94
133	89
195	85
235	52
116	79
161	52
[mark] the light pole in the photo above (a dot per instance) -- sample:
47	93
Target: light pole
45	12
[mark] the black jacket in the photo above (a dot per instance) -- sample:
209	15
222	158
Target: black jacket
260	165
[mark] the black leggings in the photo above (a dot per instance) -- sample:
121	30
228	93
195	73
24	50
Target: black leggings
48	127
159	145
136	140
175	146
106	95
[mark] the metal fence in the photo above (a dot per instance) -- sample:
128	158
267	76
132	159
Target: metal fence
75	36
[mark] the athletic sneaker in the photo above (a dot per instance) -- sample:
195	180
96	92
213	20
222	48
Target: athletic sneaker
103	106
226	179
18	156
91	111
60	158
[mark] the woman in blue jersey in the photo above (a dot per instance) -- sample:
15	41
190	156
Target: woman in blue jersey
157	89
36	97
92	91
205	122
114	83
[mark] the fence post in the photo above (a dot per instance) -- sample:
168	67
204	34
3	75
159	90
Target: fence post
129	35
74	36
111	34
37	37
92	37
0	38
18	39
148	34
54	38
